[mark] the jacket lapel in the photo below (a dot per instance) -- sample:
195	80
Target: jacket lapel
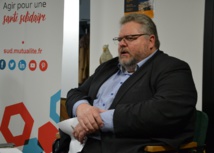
109	70
135	77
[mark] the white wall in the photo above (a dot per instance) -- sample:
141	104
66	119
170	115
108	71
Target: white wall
180	25
70	46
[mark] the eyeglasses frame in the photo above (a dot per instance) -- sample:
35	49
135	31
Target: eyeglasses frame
119	39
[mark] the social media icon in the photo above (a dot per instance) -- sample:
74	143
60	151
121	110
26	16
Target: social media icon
43	65
2	64
22	65
12	64
32	65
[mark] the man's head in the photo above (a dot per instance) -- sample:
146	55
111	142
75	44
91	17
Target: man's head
137	39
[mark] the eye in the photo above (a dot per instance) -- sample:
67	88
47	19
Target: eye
130	38
119	38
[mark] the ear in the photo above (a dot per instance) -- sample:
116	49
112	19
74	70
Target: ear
152	41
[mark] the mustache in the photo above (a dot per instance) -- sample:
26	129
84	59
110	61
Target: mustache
122	51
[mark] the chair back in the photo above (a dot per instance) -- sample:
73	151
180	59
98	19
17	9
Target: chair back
201	128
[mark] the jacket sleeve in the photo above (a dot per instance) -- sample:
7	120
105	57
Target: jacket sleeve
90	87
77	94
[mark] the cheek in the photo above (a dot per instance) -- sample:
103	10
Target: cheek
134	48
142	51
137	49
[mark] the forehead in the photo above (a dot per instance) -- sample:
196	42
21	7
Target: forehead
130	28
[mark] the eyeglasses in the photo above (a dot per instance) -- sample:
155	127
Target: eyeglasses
128	38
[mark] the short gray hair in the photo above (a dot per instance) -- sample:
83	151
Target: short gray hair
148	26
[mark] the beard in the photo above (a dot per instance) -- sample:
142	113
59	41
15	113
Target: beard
128	64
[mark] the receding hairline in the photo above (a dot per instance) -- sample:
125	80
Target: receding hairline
139	18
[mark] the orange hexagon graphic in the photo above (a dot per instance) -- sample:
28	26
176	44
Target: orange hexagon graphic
47	135
15	109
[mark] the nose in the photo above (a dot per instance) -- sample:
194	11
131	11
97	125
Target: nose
122	42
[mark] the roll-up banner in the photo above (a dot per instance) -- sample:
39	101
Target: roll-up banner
31	39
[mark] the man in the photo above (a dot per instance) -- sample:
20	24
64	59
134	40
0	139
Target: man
141	97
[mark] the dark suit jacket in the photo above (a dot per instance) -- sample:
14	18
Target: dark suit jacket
155	104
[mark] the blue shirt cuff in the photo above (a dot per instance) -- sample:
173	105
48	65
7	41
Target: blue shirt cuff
107	118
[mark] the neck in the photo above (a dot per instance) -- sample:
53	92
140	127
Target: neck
130	69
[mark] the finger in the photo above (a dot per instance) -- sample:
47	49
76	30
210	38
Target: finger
76	131
81	137
95	120
90	118
86	118
80	133
98	120
89	123
101	110
75	135
84	122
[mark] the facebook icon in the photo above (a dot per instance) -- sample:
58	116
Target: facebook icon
2	64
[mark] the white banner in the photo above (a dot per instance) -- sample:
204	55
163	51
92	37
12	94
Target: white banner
31	39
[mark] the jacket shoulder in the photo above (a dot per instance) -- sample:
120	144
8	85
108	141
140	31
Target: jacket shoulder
161	59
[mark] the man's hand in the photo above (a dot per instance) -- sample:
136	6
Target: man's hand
79	133
89	118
